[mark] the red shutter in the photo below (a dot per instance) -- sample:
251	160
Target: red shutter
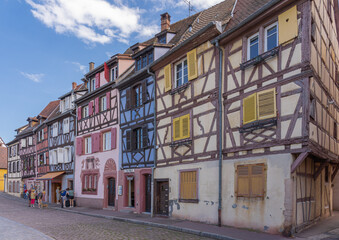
90	108
108	100
79	146
114	138
106	72
97	80
96	105
95	142
79	113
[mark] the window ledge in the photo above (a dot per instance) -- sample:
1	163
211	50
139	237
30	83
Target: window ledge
189	200
260	58
181	142
249	127
180	88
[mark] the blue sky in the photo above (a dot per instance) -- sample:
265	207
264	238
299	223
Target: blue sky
46	45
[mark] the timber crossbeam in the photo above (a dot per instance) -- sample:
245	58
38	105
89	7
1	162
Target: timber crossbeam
258	125
260	58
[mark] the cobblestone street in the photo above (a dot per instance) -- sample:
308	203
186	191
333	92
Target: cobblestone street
64	225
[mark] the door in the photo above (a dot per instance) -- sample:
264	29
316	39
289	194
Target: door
148	179
54	188
162	198
111	191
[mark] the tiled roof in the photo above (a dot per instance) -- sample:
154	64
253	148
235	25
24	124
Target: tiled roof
244	9
3	157
49	109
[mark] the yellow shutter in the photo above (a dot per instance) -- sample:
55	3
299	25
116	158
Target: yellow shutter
266	104
176	129
250	109
288	25
185	126
168	79
243	181
192	64
188	185
257	181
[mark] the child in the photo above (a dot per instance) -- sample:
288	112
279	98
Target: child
33	194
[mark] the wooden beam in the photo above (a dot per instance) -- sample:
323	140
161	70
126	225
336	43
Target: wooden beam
320	168
335	173
298	161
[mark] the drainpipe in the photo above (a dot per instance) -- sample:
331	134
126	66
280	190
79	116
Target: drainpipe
155	144
220	131
75	135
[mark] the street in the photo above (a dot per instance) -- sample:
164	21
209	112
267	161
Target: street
18	221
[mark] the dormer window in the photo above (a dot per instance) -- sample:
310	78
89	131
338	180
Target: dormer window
139	64
143	60
114	73
162	39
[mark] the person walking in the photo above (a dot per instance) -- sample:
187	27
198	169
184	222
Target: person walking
58	195
33	195
40	195
71	197
29	197
63	194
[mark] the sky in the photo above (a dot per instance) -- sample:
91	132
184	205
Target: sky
46	45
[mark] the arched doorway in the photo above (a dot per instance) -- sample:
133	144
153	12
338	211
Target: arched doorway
110	175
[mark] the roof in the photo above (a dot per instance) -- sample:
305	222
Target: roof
3	156
49	109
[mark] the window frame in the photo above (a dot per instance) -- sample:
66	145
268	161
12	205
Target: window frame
255	35
88	145
114	73
103	103
137	96
106	140
85	111
266	36
181	62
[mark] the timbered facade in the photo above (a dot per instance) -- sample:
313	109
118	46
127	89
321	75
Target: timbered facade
15	186
97	145
280	114
186	176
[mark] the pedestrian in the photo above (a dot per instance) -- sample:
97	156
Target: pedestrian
33	195
40	195
58	195
71	197
29	197
63	194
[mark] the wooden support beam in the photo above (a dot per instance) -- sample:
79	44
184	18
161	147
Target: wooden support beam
298	161
320	168
335	173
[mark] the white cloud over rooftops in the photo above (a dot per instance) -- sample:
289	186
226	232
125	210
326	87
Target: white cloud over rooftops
92	21
35	77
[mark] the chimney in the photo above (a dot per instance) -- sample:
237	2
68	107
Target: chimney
165	21
74	85
91	66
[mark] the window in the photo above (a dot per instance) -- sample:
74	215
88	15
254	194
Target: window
66	101
150	57
144	61
181	73
114	73
137	138
30	141
188	185
259	106
181	127
65	125
253	46
139	64
55	129
88	145
251	180
92	85
67	155
162	39
106	141
271	36
41	160
85	111
137	95
23	142
18	166
103	103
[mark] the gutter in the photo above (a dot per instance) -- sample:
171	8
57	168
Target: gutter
155	143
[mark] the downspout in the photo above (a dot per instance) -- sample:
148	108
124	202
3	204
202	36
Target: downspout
155	144
220	131
75	135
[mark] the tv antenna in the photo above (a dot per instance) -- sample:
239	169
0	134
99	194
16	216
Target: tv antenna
190	7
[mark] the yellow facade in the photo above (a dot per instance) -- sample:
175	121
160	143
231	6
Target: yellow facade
2	179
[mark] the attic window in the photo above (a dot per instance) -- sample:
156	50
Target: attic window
162	39
190	29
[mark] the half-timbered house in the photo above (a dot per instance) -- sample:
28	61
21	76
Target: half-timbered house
15	187
186	174
60	139
3	166
97	146
280	113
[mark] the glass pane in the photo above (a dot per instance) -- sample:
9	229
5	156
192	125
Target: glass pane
179	74
254	50
271	41
185	72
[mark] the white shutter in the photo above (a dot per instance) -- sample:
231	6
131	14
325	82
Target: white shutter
65	154
60	155
55	157
42	134
44	158
70	154
50	157
55	129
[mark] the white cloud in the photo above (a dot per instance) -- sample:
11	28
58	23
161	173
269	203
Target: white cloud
93	21
198	5
81	68
33	77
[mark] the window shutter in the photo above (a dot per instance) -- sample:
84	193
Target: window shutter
90	108
185	126
249	109
128	99
145	136
79	146
176	129
188	185
257	181
144	91
79	113
128	140
192	64
60	155
266	104
168	78
243	181
97	80
114	138
288	25
106	69
108	100
96	102
95	142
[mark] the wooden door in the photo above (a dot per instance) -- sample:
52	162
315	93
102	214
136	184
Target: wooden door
162	198
148	179
111	192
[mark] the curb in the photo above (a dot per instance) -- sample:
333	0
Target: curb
159	225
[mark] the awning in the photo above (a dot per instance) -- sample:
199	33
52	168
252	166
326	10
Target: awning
50	176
